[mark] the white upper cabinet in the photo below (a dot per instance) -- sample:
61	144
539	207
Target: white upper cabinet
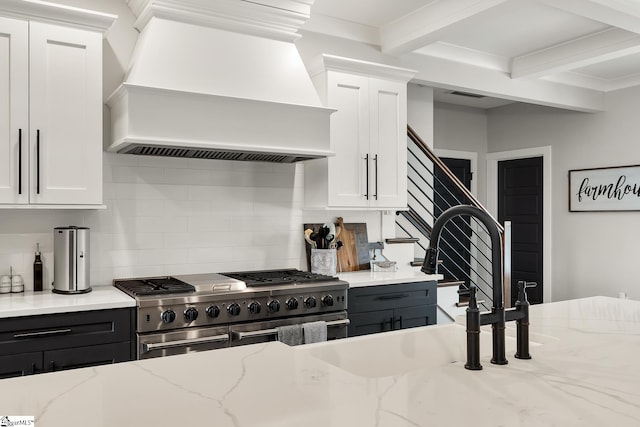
14	111
368	136
66	115
51	117
349	136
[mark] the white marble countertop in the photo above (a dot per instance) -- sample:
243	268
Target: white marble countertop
46	302
584	372
362	278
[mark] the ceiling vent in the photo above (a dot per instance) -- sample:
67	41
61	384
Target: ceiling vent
466	94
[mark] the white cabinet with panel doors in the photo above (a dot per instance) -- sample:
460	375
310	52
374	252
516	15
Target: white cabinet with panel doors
368	136
51	113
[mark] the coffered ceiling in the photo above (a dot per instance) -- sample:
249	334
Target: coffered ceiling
564	53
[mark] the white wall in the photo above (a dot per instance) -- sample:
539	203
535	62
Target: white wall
176	216
170	216
595	253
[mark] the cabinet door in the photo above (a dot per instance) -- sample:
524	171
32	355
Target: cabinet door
14	111
384	297
65	115
370	322
80	357
16	365
388	147
411	317
347	180
66	330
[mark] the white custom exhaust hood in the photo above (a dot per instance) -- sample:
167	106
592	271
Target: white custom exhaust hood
219	80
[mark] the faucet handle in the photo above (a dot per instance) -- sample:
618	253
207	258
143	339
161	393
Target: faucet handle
522	286
473	301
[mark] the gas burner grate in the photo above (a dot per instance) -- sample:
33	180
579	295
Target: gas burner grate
277	277
154	286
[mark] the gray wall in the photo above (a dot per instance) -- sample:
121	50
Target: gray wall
463	129
594	253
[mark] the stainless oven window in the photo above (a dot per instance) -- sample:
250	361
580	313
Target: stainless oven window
182	341
257	332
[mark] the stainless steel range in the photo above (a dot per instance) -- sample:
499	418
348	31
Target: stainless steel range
195	312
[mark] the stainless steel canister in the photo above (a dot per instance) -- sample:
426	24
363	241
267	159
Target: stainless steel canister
71	260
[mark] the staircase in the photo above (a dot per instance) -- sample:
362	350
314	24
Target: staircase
465	246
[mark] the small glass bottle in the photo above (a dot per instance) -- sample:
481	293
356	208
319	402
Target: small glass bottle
37	271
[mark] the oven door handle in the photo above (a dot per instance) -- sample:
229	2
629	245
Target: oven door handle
147	347
238	335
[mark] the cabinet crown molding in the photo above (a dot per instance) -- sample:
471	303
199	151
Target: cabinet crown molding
326	62
57	14
275	19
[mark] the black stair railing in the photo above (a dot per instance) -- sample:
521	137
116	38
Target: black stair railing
465	246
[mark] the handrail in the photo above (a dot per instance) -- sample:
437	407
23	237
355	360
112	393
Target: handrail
440	164
416	220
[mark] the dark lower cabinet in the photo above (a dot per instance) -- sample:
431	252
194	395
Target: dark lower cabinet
15	365
81	357
374	309
411	317
35	344
370	322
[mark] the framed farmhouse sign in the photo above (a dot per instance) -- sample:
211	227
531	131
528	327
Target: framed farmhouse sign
604	189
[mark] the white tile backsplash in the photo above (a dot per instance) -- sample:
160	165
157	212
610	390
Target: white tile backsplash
178	216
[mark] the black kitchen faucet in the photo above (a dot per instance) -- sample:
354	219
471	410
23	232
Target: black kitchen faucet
498	315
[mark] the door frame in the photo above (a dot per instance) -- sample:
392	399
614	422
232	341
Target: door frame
492	202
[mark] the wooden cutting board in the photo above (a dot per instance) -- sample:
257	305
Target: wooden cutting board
354	254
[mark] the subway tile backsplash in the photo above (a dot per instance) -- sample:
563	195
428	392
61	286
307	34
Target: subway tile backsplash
178	216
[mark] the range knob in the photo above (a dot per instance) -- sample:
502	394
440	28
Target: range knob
233	309
190	314
213	311
327	300
310	302
292	303
254	307
273	306
168	316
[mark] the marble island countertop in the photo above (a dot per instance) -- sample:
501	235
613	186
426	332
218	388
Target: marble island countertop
584	372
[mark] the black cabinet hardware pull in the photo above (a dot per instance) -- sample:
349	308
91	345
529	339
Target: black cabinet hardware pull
375	162
38	161
33	368
19	161
398	320
52	365
366	162
394	296
390	322
42	333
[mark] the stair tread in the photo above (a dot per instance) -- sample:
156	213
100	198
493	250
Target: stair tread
450	282
402	240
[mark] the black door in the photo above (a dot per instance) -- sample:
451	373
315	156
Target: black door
520	201
455	243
